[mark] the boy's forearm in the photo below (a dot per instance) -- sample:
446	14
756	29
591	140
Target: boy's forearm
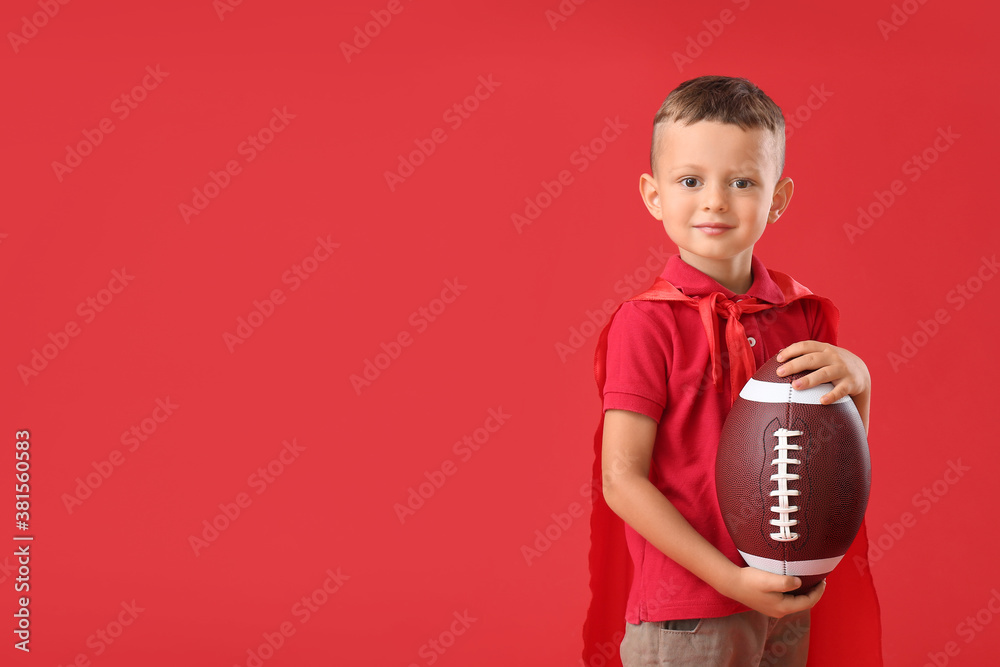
642	506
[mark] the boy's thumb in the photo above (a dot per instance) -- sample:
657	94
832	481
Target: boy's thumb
791	583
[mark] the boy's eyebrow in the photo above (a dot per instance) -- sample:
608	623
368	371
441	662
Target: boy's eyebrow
686	167
697	167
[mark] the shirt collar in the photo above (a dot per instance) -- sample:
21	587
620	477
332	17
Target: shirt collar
692	282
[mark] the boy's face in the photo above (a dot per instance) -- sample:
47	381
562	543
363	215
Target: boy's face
716	188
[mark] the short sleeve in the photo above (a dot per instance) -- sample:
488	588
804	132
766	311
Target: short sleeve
636	362
821	328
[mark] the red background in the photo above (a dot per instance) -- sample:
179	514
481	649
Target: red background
494	347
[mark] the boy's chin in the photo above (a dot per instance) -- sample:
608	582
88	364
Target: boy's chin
700	255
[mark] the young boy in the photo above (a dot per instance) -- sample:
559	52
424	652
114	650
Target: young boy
671	368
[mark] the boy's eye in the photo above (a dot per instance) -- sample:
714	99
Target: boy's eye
689	182
741	183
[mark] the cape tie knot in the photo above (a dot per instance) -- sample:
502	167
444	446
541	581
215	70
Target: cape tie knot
741	360
732	309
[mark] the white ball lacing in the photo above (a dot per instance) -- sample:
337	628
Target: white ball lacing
784	522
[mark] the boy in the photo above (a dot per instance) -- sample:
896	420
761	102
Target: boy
716	162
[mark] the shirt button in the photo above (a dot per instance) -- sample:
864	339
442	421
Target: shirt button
752	340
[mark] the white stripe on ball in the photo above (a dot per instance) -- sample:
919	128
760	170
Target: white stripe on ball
782	392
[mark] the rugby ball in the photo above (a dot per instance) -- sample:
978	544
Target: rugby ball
792	476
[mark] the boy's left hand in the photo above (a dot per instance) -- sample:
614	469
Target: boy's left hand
829	363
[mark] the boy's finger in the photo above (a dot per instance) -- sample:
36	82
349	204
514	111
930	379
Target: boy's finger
817	592
807	361
838	393
790	584
796	349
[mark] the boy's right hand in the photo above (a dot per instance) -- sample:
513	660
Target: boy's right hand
767	592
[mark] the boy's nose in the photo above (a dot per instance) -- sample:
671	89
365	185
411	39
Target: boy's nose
714	199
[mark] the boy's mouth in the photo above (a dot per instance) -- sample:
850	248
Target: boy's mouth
713	228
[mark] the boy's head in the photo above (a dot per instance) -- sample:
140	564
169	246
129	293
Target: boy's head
722	99
716	161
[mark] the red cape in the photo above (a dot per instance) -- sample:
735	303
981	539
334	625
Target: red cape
846	627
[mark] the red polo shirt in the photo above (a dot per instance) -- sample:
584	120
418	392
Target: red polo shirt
658	365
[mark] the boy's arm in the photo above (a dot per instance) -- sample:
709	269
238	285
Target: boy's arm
626	457
829	363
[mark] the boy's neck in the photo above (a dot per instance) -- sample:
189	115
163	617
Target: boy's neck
734	274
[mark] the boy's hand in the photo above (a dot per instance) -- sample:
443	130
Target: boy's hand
829	363
766	592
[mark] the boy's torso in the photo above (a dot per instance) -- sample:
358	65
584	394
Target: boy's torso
658	364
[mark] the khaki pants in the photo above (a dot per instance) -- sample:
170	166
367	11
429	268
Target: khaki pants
749	639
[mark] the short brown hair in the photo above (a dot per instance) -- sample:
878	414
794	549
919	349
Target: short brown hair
723	99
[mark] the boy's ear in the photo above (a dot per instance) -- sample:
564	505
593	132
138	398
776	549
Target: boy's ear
649	191
779	202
